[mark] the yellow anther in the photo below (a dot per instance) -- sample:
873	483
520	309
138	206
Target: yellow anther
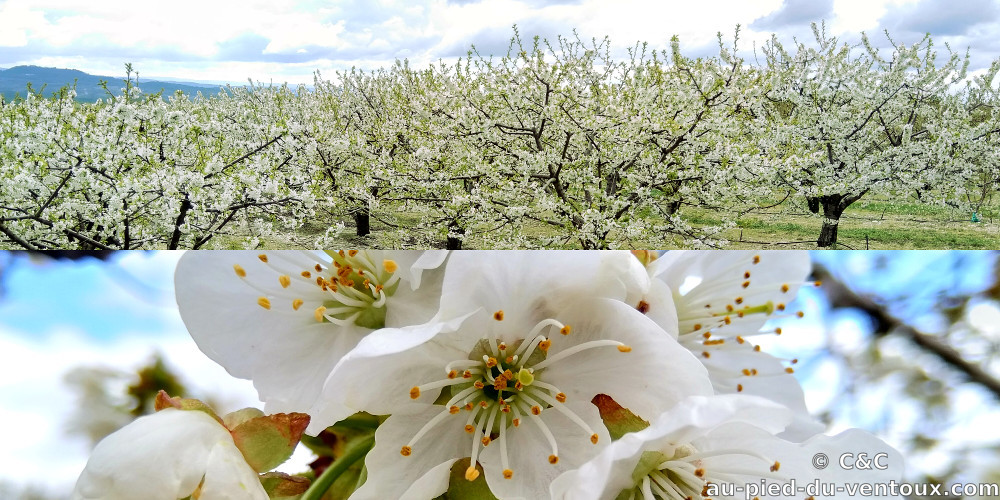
553	459
318	313
561	397
389	265
491	362
706	354
297	303
536	410
565	330
239	271
486	440
479	384
697	326
800	314
471	474
470	428
624	348
756	259
516	422
544	345
643	307
507	473
776	466
453	410
406	451
784	288
415	393
264	302
498	315
593	438
777	330
699	472
263	257
452	374
739	387
306	274
284	280
318	268
789	370
780	307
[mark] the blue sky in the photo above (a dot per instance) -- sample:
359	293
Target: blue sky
55	316
287	40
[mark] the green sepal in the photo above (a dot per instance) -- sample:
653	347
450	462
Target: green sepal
618	419
163	401
461	488
234	419
281	485
266	442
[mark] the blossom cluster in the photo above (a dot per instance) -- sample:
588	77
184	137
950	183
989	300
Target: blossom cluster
567	375
601	152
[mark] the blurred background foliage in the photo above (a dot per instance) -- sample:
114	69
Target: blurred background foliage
903	344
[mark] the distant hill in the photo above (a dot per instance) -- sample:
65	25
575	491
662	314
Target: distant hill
14	81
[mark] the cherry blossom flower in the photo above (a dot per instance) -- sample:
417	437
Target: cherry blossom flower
284	319
510	384
712	446
169	455
720	301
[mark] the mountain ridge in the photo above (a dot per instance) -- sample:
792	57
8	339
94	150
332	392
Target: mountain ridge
14	83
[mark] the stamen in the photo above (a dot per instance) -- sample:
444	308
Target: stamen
239	271
264	302
575	349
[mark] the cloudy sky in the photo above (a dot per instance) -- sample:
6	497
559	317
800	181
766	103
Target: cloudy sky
287	40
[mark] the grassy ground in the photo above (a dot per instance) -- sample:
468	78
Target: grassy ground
868	224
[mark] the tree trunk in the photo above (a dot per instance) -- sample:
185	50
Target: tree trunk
362	221
813	205
455	242
833	207
832	211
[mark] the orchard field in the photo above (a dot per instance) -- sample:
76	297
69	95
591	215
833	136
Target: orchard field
555	145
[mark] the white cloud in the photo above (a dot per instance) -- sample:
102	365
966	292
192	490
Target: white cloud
287	40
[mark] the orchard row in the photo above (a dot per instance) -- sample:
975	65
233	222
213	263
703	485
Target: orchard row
602	152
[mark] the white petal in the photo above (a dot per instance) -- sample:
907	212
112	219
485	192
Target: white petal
529	450
228	477
653	377
526	285
390	474
377	376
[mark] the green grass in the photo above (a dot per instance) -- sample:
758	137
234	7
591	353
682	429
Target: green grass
876	223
